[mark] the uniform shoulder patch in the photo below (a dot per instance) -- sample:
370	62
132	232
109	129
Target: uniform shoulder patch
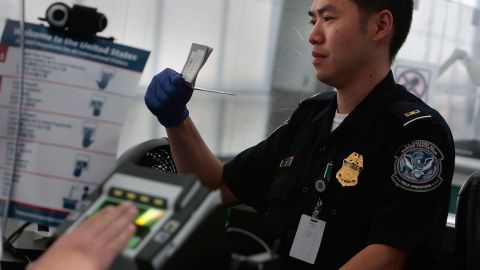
418	166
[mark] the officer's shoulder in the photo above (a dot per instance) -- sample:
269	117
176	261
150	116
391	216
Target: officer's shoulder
319	98
413	110
307	107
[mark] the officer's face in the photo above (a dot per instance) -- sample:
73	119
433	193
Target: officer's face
340	45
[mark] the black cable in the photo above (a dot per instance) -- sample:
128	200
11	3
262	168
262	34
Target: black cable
17	232
8	242
14	252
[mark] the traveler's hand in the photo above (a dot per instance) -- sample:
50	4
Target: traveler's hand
167	97
94	244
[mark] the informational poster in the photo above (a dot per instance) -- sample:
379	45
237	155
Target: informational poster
76	94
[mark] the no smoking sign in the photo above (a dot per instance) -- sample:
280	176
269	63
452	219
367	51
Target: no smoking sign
416	80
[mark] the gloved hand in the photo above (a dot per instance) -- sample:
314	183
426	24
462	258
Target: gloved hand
167	96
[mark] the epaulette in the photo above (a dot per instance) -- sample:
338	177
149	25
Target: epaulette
408	112
320	97
315	100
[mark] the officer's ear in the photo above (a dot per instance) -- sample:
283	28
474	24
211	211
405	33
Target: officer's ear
381	25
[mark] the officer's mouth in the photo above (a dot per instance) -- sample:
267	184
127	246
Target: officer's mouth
318	57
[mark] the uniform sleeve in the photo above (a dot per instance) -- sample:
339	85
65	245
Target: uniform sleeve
249	175
412	208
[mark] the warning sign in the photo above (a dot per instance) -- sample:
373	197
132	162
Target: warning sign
417	78
414	81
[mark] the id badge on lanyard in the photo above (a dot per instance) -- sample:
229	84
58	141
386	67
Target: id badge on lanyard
310	228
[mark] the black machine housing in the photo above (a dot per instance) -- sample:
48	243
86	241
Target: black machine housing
193	230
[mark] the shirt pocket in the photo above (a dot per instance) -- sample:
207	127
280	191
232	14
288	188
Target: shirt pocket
279	202
282	185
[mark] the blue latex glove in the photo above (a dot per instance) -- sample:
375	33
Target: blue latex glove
167	96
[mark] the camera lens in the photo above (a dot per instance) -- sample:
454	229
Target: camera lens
102	22
57	15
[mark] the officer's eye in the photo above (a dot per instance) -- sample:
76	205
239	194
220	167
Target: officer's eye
327	18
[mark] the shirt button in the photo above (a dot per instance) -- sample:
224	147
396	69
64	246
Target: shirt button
289	233
333	212
305	189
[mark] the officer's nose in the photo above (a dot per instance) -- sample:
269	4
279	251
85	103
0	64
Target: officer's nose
317	35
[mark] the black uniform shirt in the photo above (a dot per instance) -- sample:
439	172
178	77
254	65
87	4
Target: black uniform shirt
393	161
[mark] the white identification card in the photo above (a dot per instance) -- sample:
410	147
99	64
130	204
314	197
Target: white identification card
196	59
307	239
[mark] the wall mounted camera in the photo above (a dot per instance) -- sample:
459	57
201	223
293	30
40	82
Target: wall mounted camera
78	20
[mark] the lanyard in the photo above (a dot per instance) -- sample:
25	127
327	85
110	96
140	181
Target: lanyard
321	186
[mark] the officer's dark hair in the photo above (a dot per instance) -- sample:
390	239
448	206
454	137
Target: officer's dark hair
402	11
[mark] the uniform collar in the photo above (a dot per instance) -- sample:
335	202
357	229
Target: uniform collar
365	114
326	115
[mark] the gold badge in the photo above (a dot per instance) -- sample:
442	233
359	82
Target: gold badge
286	162
408	114
347	176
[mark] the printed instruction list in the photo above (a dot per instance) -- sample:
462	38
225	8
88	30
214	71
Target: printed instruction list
75	98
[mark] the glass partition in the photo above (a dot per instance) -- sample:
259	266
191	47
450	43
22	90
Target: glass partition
261	53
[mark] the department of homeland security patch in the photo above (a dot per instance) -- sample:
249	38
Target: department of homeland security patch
418	166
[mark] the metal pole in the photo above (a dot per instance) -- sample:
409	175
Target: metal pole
16	151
